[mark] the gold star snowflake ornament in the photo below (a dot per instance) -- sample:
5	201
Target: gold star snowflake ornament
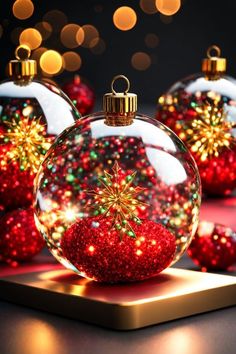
119	199
28	143
210	132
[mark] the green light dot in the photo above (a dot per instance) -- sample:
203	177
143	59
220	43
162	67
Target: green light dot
124	222
70	178
131	233
129	178
93	155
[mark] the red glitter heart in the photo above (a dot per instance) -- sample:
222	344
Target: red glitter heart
99	253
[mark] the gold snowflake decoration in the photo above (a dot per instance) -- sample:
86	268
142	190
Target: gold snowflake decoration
118	198
210	131
28	142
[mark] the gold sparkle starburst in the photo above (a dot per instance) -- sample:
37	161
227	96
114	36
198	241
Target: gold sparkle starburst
118	198
28	143
210	132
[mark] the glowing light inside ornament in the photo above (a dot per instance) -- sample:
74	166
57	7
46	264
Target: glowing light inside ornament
210	131
118	198
28	142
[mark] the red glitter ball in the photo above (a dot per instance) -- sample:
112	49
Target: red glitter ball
19	238
98	251
82	94
16	186
213	247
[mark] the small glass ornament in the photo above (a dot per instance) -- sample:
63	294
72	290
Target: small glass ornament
32	113
81	94
118	195
201	110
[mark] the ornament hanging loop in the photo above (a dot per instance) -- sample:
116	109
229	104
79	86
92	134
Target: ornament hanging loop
22	52
119	107
213	48
214	66
118	77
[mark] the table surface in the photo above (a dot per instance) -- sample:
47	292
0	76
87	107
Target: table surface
27	331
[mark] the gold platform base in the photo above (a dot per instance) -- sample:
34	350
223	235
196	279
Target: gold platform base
173	294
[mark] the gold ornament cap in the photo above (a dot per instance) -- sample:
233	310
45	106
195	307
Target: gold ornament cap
120	107
213	65
22	68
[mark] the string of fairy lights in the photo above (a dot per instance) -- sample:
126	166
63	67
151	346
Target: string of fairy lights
73	35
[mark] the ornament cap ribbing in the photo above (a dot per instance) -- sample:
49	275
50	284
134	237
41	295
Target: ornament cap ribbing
214	65
120	107
22	69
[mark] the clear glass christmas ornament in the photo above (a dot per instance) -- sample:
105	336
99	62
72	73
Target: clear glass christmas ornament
32	113
201	110
118	194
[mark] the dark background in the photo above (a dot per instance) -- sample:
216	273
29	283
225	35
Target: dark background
182	43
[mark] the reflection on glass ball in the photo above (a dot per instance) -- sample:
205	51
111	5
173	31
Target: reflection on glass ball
202	112
31	115
117	203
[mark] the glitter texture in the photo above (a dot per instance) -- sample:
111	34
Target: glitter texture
19	238
31	116
81	94
144	156
202	113
213	247
100	254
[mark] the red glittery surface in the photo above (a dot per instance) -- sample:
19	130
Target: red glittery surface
213	247
16	186
97	251
19	238
80	92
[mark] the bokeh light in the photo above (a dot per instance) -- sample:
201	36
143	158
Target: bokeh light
141	61
91	36
37	53
148	6
168	7
151	40
23	9
124	18
51	62
72	35
99	47
31	37
44	28
56	18
72	61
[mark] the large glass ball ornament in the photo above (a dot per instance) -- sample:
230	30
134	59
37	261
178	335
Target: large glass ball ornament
32	113
201	109
118	194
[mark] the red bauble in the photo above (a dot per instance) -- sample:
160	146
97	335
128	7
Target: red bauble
16	186
81	94
213	247
19	238
98	251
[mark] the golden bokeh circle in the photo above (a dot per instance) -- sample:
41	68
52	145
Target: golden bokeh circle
91	36
56	18
124	18
168	7
72	61
31	37
72	35
23	9
148	6
44	28
51	62
141	61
